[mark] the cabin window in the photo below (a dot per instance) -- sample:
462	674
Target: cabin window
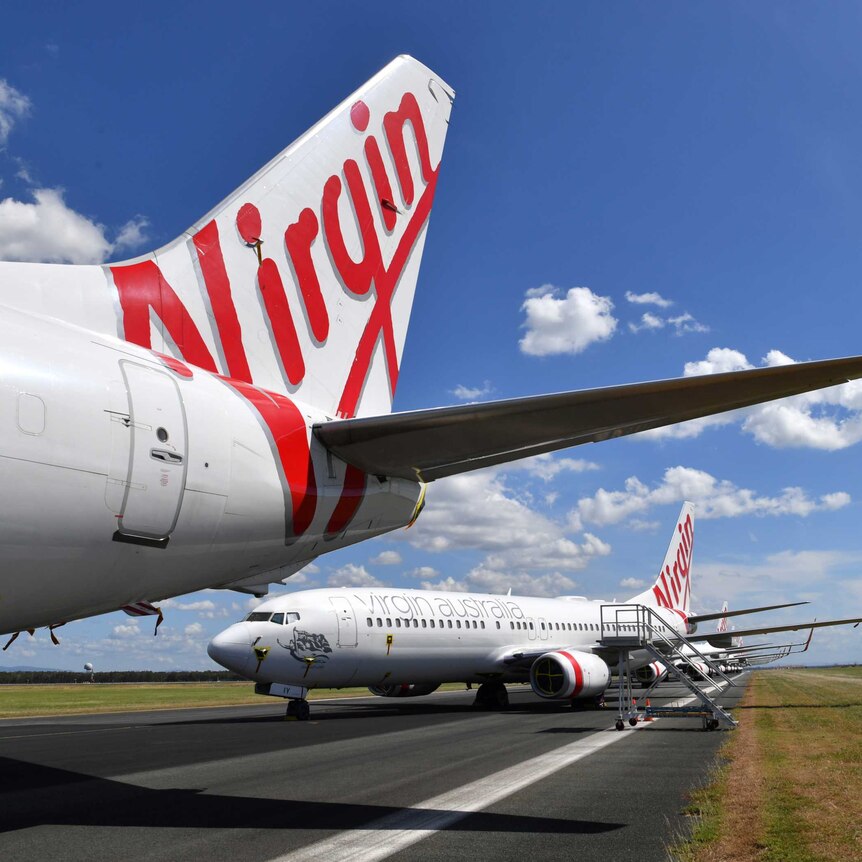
388	623
531	626
482	623
450	623
424	624
498	624
379	622
512	625
458	623
433	624
416	623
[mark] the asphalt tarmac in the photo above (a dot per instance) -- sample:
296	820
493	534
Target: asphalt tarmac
414	779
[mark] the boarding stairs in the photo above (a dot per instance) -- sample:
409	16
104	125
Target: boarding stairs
630	627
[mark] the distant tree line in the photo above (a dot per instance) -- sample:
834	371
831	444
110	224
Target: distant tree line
31	677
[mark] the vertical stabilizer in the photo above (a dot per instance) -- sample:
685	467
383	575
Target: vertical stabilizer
301	281
672	587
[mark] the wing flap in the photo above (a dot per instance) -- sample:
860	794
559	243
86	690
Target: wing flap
722	639
430	444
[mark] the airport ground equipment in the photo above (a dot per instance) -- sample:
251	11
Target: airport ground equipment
637	627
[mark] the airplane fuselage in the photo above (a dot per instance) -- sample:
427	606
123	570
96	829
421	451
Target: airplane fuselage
131	476
376	637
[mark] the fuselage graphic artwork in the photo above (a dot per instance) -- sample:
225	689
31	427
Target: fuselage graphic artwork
217	413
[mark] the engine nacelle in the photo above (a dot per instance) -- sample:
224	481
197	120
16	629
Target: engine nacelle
405	690
567	674
648	674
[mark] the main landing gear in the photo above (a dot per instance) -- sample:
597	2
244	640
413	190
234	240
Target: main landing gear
492	696
298	710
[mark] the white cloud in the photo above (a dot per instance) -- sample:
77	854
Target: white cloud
468	393
174	605
633	584
422	572
828	419
14	105
482	580
194	630
548	466
132	235
681	324
651	298
714	498
351	575
566	324
649	321
387	558
126	631
686	323
524	548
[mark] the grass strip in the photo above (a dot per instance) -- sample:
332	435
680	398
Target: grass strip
784	787
32	701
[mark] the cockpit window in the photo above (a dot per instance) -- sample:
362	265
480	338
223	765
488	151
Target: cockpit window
278	619
291	617
257	617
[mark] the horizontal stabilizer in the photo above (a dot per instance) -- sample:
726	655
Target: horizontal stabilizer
719	615
431	444
723	639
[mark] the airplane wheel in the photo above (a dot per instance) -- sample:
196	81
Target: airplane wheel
491	696
633	721
298	710
620	725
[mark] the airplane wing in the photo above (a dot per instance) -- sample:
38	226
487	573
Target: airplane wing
723	639
718	615
431	444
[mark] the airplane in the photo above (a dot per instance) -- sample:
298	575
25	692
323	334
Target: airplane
407	643
217	413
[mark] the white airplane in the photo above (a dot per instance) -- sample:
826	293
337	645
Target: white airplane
404	643
217	413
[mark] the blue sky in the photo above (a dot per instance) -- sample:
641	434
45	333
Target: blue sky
626	191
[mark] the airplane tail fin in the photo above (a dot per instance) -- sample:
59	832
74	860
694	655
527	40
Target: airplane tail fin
302	280
672	588
722	623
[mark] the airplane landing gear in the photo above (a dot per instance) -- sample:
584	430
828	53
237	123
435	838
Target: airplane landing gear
298	710
491	695
620	724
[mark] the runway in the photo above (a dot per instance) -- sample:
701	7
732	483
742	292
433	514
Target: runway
416	779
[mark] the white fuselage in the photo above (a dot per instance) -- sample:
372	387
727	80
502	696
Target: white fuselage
126	477
370	637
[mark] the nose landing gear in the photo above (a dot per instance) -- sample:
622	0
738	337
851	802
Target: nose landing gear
297	710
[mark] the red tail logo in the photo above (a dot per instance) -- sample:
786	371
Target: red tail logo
673	587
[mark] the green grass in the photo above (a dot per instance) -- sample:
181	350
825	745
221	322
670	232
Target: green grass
19	701
784	789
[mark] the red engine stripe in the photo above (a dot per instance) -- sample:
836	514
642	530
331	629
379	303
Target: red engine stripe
579	673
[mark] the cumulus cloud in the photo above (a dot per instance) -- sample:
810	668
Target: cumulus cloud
569	324
633	584
423	572
828	419
46	230
174	605
387	558
715	498
681	324
471	393
194	630
14	106
351	575
651	298
548	467
524	549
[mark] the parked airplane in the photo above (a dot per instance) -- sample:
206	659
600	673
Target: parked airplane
404	643
216	413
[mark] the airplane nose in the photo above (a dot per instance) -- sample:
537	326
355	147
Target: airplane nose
232	649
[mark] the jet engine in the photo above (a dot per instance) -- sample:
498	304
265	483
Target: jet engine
648	674
567	674
405	690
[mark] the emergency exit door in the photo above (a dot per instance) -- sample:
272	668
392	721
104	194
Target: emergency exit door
157	456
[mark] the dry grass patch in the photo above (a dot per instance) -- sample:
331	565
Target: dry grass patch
788	791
